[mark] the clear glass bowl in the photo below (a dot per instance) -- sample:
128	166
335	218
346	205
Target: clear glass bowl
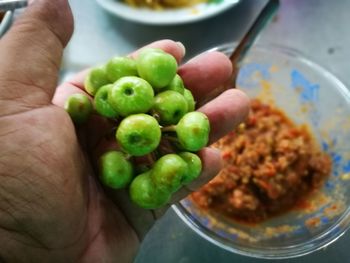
310	95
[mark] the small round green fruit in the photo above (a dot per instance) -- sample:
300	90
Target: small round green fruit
131	95
138	134
169	106
95	79
193	131
168	172
79	107
115	170
191	104
145	194
119	67
158	68
194	166
102	105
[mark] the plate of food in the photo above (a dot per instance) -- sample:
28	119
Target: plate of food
166	12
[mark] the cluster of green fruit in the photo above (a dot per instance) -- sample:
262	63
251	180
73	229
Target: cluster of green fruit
155	120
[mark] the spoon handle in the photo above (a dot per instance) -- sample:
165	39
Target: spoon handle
6	5
243	47
249	38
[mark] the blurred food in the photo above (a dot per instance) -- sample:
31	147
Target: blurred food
158	4
270	164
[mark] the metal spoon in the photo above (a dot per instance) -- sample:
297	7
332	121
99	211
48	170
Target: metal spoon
6	5
241	50
250	37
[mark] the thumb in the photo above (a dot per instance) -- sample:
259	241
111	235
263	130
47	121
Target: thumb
31	54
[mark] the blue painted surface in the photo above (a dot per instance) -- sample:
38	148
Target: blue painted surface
309	91
346	167
246	73
325	146
325	220
329	185
336	162
336	158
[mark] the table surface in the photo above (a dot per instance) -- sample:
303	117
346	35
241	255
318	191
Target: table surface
317	28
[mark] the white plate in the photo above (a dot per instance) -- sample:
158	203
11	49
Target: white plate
166	16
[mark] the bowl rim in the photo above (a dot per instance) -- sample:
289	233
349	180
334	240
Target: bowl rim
320	241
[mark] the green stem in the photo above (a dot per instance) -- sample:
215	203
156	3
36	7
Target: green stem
127	156
115	120
171	138
165	149
170	128
155	115
151	158
110	133
156	153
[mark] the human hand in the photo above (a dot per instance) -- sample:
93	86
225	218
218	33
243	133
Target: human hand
52	208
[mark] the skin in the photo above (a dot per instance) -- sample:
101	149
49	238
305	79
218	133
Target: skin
48	185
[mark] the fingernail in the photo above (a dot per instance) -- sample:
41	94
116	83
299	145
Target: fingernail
182	47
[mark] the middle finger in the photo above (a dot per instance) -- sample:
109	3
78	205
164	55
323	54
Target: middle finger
206	72
226	112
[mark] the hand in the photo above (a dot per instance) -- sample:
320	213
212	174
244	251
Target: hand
52	208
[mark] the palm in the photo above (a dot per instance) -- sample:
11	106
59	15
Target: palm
69	203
